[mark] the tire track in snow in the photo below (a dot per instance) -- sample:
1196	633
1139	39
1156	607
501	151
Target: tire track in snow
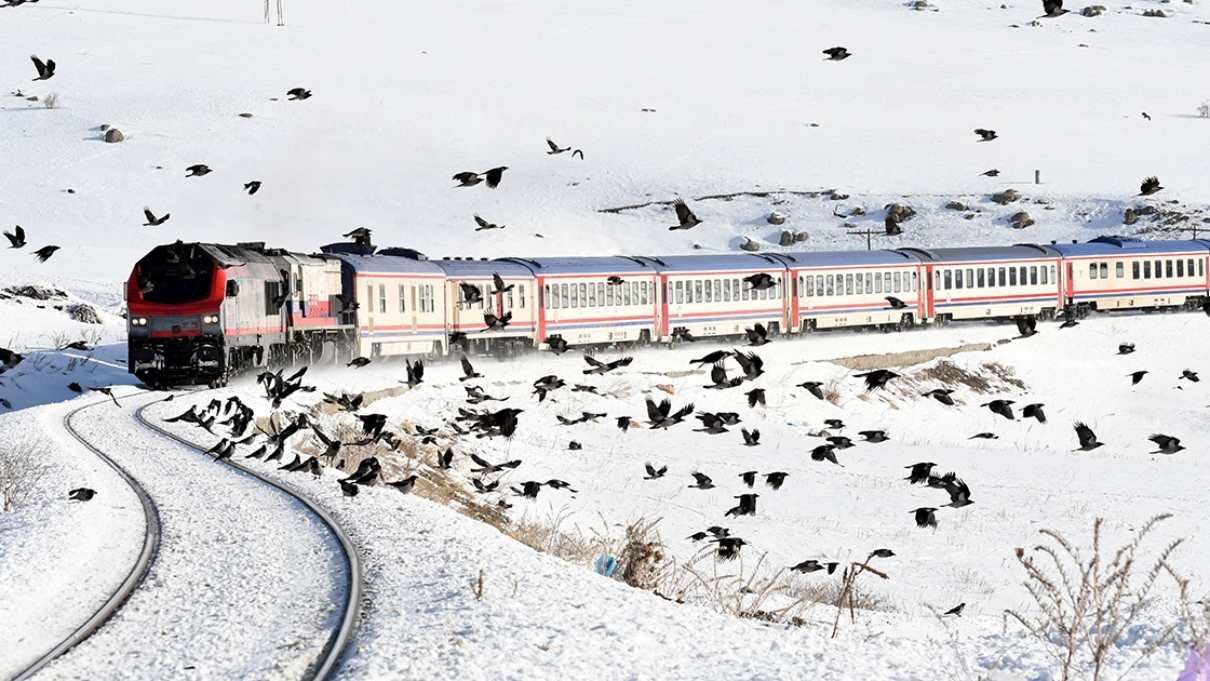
138	571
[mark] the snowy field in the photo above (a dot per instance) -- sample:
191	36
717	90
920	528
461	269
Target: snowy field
665	100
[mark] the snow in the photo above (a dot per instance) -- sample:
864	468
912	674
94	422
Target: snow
407	95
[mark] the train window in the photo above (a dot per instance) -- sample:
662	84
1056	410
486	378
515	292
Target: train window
1134	270
546	296
869	282
1012	276
1033	275
936	282
981	277
382	299
697	291
1190	266
727	289
645	287
1201	268
1104	270
819	285
1146	269
370	298
592	295
957	279
1180	267
402	299
1043	268
886	282
898	283
848	284
810	285
1022	271
709	292
1052	275
1092	270
1001	279
521	295
678	293
991	276
913	281
949	280
298	284
1168	268
1159	269
634	293
830	290
566	300
860	284
574	299
510	300
970	278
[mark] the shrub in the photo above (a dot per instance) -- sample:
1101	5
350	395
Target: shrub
20	469
1204	110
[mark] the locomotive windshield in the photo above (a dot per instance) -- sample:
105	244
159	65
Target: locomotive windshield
173	275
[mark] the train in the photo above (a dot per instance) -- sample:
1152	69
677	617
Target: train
204	312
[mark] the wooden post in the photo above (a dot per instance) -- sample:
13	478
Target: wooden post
1037	177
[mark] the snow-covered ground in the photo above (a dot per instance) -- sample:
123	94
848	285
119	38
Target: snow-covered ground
741	100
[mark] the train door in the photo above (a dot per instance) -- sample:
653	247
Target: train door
413	307
789	292
929	300
1070	284
662	287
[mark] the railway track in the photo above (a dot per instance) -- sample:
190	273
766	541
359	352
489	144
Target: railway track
138	571
338	641
347	609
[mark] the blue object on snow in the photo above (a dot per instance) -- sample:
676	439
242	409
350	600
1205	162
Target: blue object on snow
606	565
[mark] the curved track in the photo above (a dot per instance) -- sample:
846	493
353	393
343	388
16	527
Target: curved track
142	565
338	641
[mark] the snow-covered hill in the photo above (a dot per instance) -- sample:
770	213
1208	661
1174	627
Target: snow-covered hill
406	95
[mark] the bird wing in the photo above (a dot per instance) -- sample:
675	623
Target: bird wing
466	367
497	281
322	438
718	374
745	361
38	64
551	143
683	214
479	460
481	222
653	411
594	362
1085	434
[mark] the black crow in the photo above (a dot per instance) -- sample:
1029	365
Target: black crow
485	225
752	364
581	388
1027	326
991	173
712	423
1166	443
1146	116
836	424
825	453
1125	348
837	53
729	547
529	489
152	220
1189	375
493	322
748	478
468	371
494	176
405	485
615	280
1053	8
252	187
359	362
882	553
877	379
198	170
1088	439
415	372
926	517
682	334
467	179
446	461
16	238
758	335
556	344
685	217
960	494
46	69
1137	376
560	484
654	473
556	149
712	358
956	611
484	488
895	303
297	94
360	236
1150	186
875	436
919	472
77	388
776	479
813	387
624	423
599	367
985	135
498	286
840	441
43	254
546	384
984	436
661	416
106	391
1001	407
751	437
813	565
1035	411
746	506
701	481
349	489
756	396
760	281
471	294
81	494
942	395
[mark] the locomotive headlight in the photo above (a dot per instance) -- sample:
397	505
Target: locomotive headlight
138	321
210	319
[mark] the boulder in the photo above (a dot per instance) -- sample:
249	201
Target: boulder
749	245
803	236
837	196
786	238
1130	217
84	313
113	136
1158	13
956	205
899	212
1093	10
776	218
1006	197
1021	220
36	292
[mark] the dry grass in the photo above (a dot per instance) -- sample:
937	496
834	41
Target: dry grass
990	377
21	468
903	359
1086	601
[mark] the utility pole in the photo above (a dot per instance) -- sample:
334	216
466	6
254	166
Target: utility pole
281	20
869	233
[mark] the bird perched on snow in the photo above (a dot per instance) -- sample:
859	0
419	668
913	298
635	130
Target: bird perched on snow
152	220
297	94
484	225
684	217
16	238
956	611
1088	439
1001	407
985	135
1027	326
198	170
81	494
1150	186
43	254
252	187
837	53
877	379
1053	8
46	69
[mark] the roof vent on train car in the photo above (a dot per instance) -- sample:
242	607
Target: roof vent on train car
348	248
251	245
404	253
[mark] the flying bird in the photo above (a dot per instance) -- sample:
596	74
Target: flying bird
942	395
919	472
813	387
298	94
81	494
152	220
719	379
1137	376
654	473
873	435
776	479
1150	186
877	379
756	396
491	321
1001	407
751	437
1189	375
467	179
252	187
712	357
837	53
1088	439
468	371
46	70
198	170
760	281
895	303
1166	443
991	173
498	285
701	481
956	611
758	335
484	225
1034	411
43	254
926	516
751	363
493	176
415	372
984	436
985	135
684	216
1125	348
16	238
359	362
825	453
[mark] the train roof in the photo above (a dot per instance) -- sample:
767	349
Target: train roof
834	258
384	264
469	267
611	264
1123	245
720	262
981	253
